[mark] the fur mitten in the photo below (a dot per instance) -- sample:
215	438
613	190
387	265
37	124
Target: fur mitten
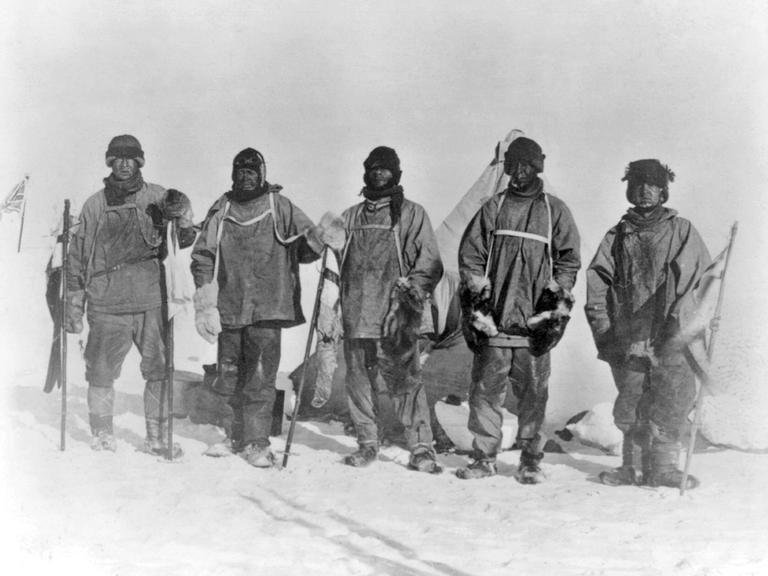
477	318
207	319
74	308
329	231
402	324
552	313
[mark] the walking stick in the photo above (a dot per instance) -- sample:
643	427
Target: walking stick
169	367
705	378
312	324
62	321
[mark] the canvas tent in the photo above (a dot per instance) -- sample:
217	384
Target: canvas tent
446	360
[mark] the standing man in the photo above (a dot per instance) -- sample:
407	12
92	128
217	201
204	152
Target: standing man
644	268
246	269
390	266
114	267
522	247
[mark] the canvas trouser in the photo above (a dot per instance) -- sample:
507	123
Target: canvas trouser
109	340
492	370
249	357
660	397
365	359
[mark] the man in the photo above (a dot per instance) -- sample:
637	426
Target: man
114	267
644	268
246	269
520	249
390	266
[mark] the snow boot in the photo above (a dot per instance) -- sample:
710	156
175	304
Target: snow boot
258	456
664	470
363	456
424	461
156	440
529	471
104	441
624	475
477	469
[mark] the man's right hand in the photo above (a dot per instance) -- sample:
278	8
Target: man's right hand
73	312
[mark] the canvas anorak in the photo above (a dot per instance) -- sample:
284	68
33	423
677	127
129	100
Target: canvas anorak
259	256
637	280
370	265
114	253
519	267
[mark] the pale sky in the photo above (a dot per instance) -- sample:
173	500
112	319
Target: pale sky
316	85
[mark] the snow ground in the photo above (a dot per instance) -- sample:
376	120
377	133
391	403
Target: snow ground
127	513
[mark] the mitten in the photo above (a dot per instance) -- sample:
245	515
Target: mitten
207	320
176	206
73	312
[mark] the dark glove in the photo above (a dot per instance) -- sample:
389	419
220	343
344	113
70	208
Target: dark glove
176	206
73	312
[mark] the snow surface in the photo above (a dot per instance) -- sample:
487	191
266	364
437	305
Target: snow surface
85	513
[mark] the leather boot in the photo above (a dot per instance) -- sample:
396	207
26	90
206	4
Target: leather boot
625	474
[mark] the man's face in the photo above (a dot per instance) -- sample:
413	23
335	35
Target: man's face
248	178
522	174
379	177
644	196
124	168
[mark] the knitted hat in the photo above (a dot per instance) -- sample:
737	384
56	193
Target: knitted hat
383	157
525	149
649	171
250	158
124	146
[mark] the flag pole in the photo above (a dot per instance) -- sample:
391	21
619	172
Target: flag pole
23	210
705	377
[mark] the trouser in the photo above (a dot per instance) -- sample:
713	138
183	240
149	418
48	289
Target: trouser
492	370
248	360
365	359
658	399
109	340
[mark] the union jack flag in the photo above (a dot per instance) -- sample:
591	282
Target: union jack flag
15	200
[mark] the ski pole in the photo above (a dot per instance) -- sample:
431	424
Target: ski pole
312	324
62	328
169	367
710	349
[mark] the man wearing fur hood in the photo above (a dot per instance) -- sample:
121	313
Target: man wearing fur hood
246	268
114	267
390	266
642	272
520	250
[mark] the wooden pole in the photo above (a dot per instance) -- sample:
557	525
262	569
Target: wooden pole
307	349
63	334
705	378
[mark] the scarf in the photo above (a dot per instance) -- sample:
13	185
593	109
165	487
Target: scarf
395	195
116	191
239	194
529	191
643	220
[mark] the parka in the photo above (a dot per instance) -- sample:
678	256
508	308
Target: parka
637	281
260	249
519	267
370	264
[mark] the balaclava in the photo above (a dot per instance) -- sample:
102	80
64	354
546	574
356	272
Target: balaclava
649	171
383	157
523	148
125	146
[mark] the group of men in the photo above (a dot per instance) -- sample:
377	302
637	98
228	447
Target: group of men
518	261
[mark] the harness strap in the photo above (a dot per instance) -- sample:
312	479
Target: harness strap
547	240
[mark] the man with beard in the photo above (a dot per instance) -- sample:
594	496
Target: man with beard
390	266
644	268
114	266
521	247
246	269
